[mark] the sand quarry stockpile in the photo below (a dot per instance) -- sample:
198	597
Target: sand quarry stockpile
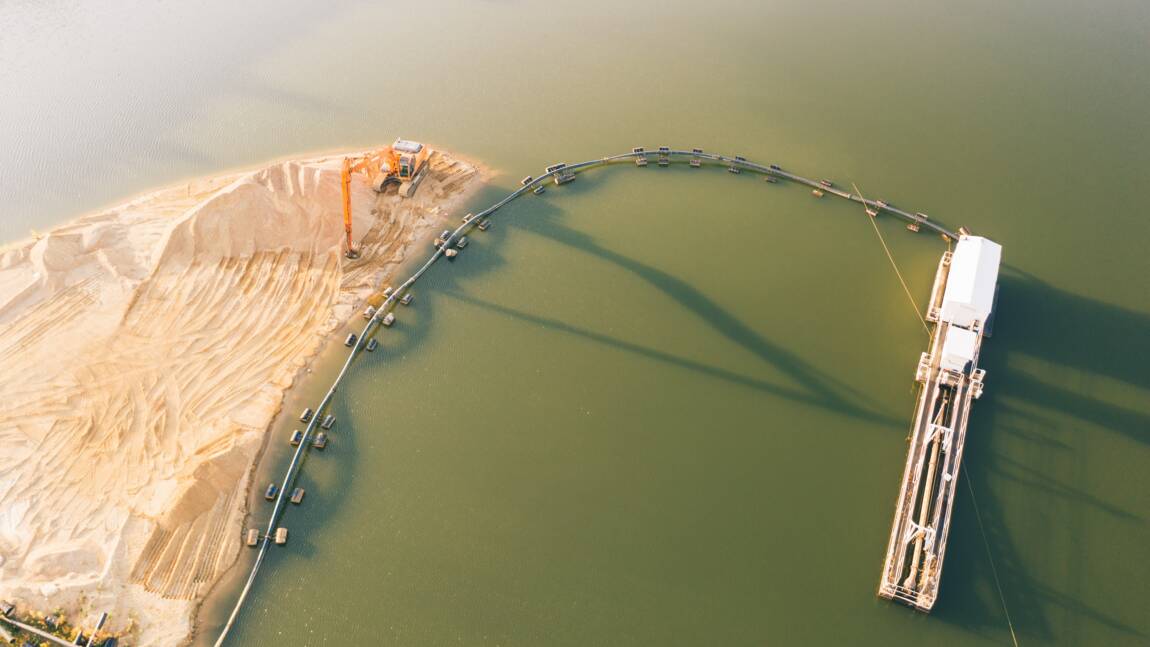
144	351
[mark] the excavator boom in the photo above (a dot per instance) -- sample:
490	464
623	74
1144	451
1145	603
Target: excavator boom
345	185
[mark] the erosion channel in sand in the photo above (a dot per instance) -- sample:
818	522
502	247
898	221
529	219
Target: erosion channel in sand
145	350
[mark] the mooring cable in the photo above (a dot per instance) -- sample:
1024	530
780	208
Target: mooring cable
890	257
990	558
978	515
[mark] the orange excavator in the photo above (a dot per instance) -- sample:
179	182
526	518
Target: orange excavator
404	162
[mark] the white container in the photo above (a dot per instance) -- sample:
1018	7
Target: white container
969	294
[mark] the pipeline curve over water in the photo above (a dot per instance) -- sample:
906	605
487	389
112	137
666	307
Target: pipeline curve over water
375	321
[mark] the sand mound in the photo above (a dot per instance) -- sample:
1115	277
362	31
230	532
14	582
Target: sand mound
145	350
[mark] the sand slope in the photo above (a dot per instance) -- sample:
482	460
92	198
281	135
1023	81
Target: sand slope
144	351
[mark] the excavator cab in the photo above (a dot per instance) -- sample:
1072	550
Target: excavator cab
410	158
406	167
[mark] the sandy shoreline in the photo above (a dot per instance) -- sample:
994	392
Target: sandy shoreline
154	342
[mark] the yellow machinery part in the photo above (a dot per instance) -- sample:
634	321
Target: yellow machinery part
345	184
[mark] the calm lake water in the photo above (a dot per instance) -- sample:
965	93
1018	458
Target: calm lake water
666	406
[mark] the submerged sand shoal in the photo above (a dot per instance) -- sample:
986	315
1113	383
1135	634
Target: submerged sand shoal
145	349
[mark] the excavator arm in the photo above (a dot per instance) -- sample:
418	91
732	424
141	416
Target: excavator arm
345	185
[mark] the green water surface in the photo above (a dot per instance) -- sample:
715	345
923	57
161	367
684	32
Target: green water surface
668	406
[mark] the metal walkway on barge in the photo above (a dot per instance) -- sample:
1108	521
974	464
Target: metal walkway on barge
961	302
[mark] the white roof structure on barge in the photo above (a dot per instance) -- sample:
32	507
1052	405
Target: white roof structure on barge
970	285
958	349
